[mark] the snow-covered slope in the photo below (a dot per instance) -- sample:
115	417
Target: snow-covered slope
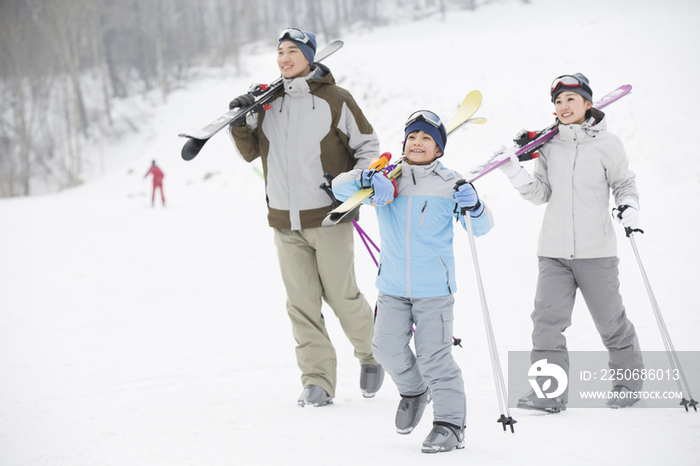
139	336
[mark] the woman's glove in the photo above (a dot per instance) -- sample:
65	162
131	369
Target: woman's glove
517	175
628	214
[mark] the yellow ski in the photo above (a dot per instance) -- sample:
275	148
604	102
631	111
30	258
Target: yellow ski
467	109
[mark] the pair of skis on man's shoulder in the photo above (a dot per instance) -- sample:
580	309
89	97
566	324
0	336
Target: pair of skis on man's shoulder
263	93
527	143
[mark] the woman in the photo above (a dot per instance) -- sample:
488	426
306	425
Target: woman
575	174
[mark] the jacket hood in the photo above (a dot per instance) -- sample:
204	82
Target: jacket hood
592	127
319	75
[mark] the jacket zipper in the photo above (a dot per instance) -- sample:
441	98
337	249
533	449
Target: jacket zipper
446	274
422	213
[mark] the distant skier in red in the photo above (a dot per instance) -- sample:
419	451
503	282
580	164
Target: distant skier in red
157	182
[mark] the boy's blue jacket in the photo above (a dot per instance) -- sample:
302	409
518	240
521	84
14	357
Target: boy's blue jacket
417	257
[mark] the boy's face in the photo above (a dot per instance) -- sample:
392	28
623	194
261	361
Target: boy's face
421	148
291	61
571	107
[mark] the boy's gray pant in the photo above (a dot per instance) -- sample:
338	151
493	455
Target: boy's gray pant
598	281
433	365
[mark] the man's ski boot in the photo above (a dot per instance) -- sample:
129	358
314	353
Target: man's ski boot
410	411
548	405
371	379
313	395
443	437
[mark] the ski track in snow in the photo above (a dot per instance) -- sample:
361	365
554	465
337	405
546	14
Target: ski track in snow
132	335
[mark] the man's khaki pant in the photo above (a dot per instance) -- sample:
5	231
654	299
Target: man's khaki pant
318	264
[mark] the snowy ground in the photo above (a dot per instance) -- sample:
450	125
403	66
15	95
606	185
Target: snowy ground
139	336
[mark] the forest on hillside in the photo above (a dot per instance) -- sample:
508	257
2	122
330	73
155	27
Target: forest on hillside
66	62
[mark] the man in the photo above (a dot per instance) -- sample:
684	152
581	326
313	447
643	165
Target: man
313	127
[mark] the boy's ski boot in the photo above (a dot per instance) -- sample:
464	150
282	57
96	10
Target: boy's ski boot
410	411
443	437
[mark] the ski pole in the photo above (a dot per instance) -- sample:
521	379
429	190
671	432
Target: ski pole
365	238
326	187
501	392
665	336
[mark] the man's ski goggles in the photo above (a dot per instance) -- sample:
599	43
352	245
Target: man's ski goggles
297	35
430	118
568	81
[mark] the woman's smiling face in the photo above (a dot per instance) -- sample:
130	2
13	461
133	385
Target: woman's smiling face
571	108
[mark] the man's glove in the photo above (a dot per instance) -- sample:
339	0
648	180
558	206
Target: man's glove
465	195
244	100
383	188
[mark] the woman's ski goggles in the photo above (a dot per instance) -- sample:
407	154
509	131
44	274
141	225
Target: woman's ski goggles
297	35
428	117
570	82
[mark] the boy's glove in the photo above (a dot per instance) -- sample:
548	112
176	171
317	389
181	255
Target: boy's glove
383	188
465	195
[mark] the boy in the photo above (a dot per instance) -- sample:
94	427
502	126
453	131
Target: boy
416	278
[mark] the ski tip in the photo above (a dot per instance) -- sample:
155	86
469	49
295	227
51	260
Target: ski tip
328	50
192	148
328	222
472	121
473	98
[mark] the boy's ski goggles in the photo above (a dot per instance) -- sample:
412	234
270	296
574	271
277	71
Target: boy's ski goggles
568	81
297	35
430	118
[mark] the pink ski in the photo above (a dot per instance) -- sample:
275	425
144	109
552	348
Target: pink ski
526	152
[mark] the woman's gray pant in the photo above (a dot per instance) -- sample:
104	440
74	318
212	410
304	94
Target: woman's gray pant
432	365
598	281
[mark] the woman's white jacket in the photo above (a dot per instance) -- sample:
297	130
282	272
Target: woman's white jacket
575	175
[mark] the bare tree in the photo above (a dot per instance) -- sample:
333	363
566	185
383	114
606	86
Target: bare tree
64	62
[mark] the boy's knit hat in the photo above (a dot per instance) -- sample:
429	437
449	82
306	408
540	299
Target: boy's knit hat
584	89
435	133
308	48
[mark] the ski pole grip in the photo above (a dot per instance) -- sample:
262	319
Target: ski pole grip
476	206
381	162
628	230
459	184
